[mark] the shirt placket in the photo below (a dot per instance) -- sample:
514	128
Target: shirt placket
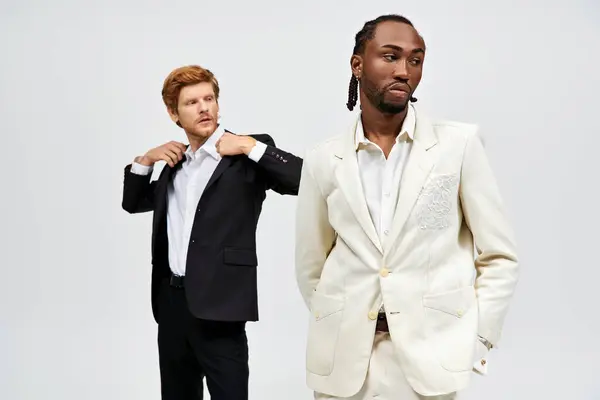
189	211
386	189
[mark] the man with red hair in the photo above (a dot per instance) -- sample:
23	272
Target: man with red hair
206	205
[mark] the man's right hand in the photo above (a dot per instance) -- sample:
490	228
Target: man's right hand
171	152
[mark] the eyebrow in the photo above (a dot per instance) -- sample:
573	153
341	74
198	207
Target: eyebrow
198	97
398	48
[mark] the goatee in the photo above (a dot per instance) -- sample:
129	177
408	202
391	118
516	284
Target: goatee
376	97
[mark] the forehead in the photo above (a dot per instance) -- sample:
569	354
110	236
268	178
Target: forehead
396	34
197	90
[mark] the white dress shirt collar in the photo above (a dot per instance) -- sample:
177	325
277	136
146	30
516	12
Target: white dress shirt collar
407	130
208	147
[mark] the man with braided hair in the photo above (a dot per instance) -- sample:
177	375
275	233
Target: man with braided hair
389	213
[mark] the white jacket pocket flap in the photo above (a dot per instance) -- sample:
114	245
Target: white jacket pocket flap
454	302
324	305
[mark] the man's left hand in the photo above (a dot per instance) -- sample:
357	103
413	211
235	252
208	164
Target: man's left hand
231	145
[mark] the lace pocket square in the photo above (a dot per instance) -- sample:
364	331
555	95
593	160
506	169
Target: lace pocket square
436	202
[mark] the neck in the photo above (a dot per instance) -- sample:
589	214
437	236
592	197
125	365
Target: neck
196	141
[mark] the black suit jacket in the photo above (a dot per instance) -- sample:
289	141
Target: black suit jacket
221	267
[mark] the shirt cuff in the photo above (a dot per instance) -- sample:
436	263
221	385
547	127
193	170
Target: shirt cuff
140	169
257	151
481	361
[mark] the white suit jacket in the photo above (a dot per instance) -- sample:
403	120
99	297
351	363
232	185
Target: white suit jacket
438	296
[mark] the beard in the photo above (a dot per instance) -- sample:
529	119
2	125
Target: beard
376	97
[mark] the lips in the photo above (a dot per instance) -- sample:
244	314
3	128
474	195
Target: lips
204	119
398	87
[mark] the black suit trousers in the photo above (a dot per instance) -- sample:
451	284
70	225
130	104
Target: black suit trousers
191	350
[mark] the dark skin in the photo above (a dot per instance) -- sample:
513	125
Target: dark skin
389	71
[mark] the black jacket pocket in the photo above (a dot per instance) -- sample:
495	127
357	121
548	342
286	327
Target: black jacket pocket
239	256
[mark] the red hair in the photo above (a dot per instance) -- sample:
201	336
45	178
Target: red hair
185	76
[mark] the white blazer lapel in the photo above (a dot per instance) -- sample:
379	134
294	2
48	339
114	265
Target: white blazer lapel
420	164
347	175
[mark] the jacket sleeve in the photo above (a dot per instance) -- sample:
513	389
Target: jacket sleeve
315	237
496	261
280	168
138	191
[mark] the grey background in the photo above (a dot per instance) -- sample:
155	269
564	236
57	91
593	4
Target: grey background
80	97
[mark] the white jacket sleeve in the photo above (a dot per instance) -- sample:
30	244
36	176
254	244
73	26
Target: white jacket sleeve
496	262
314	235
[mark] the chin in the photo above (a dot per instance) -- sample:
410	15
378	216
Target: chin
205	131
392	108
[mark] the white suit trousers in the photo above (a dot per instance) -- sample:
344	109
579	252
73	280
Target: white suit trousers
385	380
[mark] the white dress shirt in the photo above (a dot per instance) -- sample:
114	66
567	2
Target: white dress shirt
381	179
184	192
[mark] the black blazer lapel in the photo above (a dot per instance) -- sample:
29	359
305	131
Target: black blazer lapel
159	223
221	167
162	186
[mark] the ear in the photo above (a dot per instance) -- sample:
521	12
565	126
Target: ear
173	115
356	63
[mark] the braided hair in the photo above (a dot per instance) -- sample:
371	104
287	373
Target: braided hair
360	41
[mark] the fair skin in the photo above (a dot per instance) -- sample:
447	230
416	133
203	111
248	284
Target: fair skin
197	113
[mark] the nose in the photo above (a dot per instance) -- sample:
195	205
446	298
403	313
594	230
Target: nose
401	70
202	107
